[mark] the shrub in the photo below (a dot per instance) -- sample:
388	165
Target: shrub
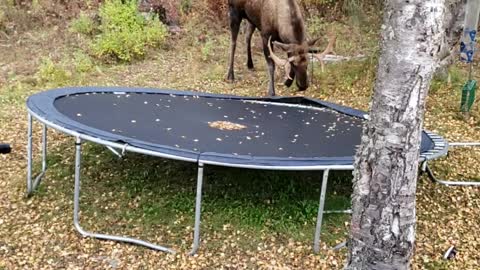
186	6
83	25
207	50
124	33
49	72
82	62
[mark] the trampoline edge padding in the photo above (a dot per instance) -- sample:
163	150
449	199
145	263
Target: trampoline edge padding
42	107
439	147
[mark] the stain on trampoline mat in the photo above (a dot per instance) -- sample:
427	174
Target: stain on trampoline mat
226	125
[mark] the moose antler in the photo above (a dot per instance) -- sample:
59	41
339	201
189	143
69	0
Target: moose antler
329	50
279	61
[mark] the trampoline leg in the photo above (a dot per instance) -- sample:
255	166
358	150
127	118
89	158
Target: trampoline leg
76	210
464	183
447	183
33	184
198	209
316	240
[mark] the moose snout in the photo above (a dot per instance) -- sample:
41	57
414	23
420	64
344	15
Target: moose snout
302	87
302	83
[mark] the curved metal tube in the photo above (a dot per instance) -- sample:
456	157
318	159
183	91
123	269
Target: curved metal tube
32	185
465	144
347	211
76	210
429	171
449	183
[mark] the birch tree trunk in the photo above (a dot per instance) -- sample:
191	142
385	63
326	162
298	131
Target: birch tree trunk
383	222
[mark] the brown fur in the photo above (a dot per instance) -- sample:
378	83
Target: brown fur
281	20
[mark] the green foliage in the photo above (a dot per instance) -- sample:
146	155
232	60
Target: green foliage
82	62
125	34
185	6
354	9
315	26
70	70
454	77
207	49
82	25
457	77
50	72
14	94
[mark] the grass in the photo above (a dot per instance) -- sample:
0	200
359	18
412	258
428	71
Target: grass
154	193
456	78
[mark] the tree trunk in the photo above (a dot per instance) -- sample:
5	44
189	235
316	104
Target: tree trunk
453	22
383	222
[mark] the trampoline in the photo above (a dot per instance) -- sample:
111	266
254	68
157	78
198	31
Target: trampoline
279	133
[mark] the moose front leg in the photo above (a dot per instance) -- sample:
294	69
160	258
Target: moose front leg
248	40
271	67
235	21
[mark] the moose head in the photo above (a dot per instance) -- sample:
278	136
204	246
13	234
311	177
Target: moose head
296	64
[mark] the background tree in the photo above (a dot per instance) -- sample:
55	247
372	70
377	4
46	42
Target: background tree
383	223
453	22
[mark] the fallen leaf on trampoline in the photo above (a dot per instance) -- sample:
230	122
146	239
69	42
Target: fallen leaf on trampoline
226	125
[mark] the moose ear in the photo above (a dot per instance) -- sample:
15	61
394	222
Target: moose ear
283	46
312	42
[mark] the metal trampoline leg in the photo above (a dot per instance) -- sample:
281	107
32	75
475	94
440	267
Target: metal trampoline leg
464	183
198	210
316	240
33	184
447	183
76	210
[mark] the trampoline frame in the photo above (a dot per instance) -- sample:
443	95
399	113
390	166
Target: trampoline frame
33	182
440	149
452	183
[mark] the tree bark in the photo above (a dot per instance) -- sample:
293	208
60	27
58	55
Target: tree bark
453	22
383	222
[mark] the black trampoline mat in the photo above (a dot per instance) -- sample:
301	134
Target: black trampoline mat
183	122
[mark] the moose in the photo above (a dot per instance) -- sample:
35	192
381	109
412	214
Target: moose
280	23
